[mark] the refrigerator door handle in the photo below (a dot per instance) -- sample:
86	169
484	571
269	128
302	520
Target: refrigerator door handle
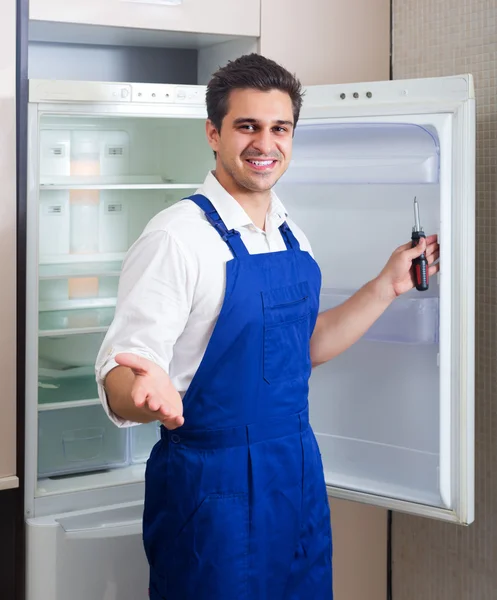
133	527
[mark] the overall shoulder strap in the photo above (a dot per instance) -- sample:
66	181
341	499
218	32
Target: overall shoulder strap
290	240
230	237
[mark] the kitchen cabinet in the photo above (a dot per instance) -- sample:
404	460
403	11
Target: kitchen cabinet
221	17
8	247
328	41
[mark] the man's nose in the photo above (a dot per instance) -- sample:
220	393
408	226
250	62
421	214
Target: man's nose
263	142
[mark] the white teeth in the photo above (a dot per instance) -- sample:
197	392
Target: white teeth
261	163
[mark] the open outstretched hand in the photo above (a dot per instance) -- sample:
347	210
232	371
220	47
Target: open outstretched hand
153	388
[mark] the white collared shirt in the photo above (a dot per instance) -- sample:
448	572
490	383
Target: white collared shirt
172	284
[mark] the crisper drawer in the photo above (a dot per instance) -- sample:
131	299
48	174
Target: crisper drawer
142	440
79	439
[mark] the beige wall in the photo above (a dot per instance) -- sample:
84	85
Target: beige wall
359	552
328	41
7	239
435	561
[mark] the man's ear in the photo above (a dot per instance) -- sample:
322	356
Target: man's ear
212	135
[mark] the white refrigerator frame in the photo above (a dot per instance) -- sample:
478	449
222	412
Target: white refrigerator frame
450	96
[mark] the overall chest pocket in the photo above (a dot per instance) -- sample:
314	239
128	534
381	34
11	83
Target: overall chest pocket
286	333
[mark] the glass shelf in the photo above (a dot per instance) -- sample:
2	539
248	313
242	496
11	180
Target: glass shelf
110	182
63	389
70	322
76	304
85	269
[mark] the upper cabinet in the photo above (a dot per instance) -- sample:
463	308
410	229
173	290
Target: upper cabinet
221	17
8	265
328	41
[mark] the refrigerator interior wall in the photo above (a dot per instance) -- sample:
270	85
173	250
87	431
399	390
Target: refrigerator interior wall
375	408
101	181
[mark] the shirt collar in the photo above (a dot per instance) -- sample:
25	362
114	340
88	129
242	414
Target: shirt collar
232	213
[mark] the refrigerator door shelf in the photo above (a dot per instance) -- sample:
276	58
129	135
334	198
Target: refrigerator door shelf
364	153
408	320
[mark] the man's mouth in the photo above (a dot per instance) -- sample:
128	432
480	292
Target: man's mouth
261	165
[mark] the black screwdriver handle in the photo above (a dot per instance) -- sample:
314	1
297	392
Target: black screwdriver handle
420	265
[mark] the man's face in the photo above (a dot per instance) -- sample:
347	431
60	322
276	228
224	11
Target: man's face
254	145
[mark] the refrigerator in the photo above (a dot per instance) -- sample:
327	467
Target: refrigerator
393	415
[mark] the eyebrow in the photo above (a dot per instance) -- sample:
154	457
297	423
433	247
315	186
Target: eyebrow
249	120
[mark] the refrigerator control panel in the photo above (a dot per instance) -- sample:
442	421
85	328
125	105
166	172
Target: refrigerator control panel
168	94
90	91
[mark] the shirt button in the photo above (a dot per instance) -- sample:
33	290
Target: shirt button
175	439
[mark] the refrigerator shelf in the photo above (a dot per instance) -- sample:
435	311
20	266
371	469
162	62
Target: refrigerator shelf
65	390
73	322
98	258
85	269
67	405
91	481
408	320
76	304
122	181
120	186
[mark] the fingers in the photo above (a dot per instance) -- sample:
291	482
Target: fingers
434	256
173	423
137	364
430	242
139	395
433	269
413	253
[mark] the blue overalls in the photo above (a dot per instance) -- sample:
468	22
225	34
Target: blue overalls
235	503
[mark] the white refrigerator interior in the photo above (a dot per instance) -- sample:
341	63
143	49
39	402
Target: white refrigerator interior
375	408
393	418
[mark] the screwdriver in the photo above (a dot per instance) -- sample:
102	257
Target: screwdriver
420	264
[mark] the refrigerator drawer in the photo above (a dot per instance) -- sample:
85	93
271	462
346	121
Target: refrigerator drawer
142	439
79	439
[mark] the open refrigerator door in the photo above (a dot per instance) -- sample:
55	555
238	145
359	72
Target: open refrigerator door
394	414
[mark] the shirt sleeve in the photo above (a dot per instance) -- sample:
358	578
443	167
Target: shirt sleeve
154	299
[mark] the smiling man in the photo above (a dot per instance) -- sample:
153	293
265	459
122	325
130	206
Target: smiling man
215	334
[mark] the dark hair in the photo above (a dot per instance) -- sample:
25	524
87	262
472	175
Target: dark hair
251	71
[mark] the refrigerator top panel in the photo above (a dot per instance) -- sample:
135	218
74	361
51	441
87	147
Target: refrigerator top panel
55	91
406	92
